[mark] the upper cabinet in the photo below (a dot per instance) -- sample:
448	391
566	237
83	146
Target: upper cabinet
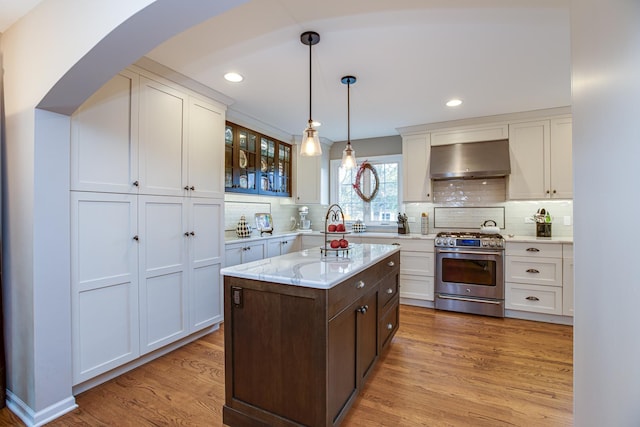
540	159
143	135
256	163
416	182
312	178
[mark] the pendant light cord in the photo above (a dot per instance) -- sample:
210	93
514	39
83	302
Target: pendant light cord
310	44
349	112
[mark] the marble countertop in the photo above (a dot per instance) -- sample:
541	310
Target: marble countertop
310	268
533	239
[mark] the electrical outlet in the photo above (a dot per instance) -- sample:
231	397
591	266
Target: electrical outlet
567	220
528	220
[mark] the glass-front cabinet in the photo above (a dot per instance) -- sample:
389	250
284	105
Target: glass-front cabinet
256	163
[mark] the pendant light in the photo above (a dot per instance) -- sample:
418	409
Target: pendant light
310	140
349	154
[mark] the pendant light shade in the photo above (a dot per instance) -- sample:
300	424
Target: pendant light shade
349	154
310	139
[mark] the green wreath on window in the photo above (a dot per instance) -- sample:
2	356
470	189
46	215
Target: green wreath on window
356	185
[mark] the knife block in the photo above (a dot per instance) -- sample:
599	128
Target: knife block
543	229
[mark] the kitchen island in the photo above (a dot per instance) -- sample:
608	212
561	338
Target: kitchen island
303	331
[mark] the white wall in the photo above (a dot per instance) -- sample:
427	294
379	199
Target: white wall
54	58
605	38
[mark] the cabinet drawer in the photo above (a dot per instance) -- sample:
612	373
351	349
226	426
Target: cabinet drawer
544	250
416	245
388	289
538	299
342	295
416	287
417	263
538	271
388	325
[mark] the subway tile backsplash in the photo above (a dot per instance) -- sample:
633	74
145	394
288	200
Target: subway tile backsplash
474	200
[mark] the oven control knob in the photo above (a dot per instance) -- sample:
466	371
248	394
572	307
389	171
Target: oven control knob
438	242
484	243
499	243
452	242
492	243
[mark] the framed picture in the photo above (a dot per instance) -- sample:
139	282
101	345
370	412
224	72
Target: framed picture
264	223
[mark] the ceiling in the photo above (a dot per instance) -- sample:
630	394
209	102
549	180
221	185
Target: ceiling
13	10
409	57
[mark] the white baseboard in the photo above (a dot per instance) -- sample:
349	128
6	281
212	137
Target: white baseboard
416	302
36	419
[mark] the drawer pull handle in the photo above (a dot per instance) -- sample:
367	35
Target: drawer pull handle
360	284
389	291
389	326
533	270
363	309
391	263
396	244
533	250
533	298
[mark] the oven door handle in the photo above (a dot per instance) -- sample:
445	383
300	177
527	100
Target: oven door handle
497	253
469	299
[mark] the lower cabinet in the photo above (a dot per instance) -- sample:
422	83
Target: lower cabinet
533	276
145	273
282	245
239	253
567	279
312	349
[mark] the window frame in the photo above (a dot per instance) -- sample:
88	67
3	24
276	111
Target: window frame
334	166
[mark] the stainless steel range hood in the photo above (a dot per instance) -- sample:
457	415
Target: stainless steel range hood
470	160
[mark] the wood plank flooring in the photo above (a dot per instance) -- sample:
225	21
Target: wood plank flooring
442	369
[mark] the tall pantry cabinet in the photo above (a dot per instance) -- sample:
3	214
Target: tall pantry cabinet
147	212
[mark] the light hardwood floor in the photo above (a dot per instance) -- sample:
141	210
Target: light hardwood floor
442	369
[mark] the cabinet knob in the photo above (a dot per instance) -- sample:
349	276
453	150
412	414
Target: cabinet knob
360	284
554	191
531	298
186	187
136	238
532	270
136	184
192	188
389	291
363	309
192	233
547	191
186	233
391	263
389	326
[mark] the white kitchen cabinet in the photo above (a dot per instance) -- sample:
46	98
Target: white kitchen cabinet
541	160
164	235
312	178
567	279
104	138
533	277
416	182
282	245
162	113
139	282
205	169
104	282
243	252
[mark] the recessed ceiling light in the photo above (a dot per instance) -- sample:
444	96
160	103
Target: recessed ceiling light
233	77
453	103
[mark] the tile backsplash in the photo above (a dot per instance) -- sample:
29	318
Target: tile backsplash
463	204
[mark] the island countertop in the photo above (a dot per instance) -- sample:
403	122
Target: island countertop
310	268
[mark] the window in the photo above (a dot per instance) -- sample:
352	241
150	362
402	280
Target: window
385	206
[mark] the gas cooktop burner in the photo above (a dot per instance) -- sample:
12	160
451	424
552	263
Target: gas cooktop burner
468	240
466	234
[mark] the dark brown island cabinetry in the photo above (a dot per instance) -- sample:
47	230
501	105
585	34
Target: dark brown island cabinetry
298	355
255	163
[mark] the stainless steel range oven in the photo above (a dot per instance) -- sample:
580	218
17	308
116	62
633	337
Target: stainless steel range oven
470	273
